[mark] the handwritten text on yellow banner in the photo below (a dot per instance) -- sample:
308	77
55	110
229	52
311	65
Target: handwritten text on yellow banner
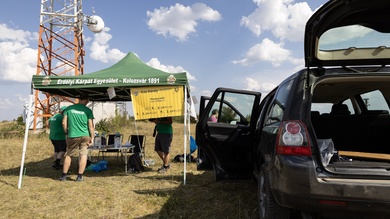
157	101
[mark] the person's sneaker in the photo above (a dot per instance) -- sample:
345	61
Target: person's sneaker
162	170
63	178
56	166
79	179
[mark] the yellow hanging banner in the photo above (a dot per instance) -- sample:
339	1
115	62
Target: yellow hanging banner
157	102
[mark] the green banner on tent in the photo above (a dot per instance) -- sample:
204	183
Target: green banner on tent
128	73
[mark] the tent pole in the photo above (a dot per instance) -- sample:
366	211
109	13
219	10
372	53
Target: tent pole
25	141
185	134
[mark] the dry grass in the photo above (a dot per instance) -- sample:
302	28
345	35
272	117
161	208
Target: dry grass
113	194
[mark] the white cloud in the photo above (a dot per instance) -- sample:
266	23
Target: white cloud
9	34
17	60
206	93
253	85
100	49
155	63
299	63
190	77
6	103
286	21
23	98
265	51
17	100
179	21
193	88
283	18
13	106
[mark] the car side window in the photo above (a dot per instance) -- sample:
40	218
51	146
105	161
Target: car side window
228	115
275	114
322	108
276	111
261	121
375	100
234	108
326	108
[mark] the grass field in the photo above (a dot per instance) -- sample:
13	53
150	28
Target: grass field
112	193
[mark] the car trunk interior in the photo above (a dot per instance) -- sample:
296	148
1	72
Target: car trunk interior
357	139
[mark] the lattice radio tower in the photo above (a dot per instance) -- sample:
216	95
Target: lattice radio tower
60	49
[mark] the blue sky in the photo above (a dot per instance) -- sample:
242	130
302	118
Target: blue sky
241	44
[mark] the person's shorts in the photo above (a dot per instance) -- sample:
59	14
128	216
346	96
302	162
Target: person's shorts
163	142
59	145
77	146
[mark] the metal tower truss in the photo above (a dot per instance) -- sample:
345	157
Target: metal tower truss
60	51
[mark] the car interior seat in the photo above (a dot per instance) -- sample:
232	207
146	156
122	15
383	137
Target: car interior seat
340	109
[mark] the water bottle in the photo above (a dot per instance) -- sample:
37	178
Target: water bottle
103	139
117	140
97	141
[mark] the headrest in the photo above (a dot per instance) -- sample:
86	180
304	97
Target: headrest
315	113
341	109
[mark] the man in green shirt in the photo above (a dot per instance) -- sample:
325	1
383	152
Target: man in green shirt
57	137
163	140
78	125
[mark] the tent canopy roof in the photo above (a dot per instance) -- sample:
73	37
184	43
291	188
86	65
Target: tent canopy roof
122	76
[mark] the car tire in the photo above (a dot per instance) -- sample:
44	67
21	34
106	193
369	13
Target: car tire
218	174
268	207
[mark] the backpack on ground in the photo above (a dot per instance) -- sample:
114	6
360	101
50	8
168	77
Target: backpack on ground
180	158
135	163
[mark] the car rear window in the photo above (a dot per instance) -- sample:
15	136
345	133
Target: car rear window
353	42
326	108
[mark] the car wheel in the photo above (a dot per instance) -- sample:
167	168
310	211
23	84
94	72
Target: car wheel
268	207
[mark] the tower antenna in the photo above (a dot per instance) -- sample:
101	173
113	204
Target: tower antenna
60	50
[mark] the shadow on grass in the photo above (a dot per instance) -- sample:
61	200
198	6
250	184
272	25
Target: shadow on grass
44	169
202	197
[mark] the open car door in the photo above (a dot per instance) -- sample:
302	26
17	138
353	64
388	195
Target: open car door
226	146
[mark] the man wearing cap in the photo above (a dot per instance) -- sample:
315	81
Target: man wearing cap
57	137
78	126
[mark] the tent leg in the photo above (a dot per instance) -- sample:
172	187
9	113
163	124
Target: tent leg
185	135
25	142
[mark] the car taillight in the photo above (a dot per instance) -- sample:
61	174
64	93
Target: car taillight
292	139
